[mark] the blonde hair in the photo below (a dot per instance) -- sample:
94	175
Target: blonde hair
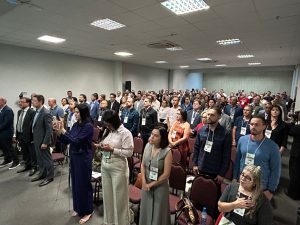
257	190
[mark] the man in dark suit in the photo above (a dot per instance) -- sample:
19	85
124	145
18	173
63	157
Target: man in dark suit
24	135
42	131
194	115
113	104
148	120
6	135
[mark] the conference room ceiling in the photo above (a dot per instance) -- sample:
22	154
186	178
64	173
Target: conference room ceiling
268	29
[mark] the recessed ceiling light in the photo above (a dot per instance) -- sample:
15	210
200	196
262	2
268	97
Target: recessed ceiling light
204	59
245	56
254	63
229	41
51	39
123	54
161	62
107	24
180	7
220	65
182	67
175	48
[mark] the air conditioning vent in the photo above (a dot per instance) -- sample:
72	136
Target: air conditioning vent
210	61
162	44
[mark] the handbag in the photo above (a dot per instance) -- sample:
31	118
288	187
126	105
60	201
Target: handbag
186	210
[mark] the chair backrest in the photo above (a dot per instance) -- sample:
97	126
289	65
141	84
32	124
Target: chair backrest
138	182
96	134
219	219
176	155
192	142
190	165
177	179
204	193
138	145
53	139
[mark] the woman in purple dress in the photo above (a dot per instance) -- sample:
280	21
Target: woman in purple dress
80	140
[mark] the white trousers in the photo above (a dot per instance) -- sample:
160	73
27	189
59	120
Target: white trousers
115	175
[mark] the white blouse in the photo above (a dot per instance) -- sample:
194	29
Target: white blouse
121	141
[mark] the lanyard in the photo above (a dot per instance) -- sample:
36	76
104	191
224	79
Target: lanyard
145	115
212	139
257	147
194	115
156	158
246	123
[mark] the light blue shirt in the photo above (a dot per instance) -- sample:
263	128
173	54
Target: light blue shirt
267	156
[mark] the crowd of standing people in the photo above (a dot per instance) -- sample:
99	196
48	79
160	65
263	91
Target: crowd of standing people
253	124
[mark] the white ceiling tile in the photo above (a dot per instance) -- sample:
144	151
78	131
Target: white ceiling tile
274	42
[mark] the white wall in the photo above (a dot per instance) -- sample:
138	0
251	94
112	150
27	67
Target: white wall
144	77
194	80
51	74
179	79
275	79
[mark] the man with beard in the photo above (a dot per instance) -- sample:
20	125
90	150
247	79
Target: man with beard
212	148
256	149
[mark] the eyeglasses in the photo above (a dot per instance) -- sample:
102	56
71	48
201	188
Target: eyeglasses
247	178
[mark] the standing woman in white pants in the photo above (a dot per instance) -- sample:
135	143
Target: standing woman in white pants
116	146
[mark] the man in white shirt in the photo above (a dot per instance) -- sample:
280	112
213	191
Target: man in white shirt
171	117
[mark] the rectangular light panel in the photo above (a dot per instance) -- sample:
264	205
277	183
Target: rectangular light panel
51	39
229	41
180	7
107	24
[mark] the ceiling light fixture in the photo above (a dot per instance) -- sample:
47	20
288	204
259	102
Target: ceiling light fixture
161	62
107	24
180	7
175	48
204	59
245	56
254	63
51	39
182	67
123	54
220	65
229	42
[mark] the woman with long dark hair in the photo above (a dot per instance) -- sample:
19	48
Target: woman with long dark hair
155	170
179	134
277	129
80	140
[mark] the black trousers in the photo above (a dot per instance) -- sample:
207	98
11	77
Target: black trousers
8	151
294	172
29	155
145	138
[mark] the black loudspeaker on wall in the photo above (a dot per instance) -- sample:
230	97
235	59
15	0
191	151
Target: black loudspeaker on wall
128	85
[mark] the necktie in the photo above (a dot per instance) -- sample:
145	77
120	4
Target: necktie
34	119
20	122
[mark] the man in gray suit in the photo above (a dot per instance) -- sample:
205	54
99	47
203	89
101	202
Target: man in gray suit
42	131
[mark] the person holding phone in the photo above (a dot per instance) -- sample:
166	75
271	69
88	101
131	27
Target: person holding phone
244	203
80	140
116	146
